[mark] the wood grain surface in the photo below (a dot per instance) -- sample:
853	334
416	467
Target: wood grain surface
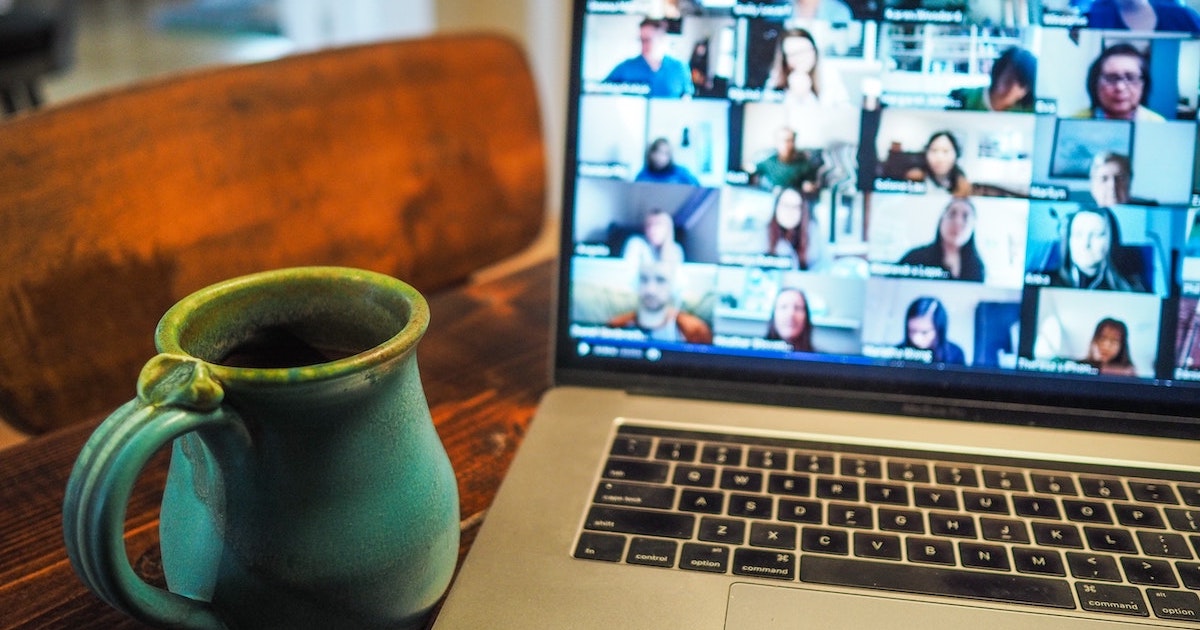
422	159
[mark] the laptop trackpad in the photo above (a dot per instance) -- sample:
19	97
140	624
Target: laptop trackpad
758	607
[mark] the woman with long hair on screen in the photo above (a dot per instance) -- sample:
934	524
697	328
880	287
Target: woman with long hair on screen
791	320
1109	348
1091	239
792	233
925	324
939	167
953	247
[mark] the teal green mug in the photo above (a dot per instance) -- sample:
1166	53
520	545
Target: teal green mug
307	486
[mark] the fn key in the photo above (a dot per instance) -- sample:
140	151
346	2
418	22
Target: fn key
608	547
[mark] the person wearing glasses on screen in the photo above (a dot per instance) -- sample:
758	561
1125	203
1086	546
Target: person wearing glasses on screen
1143	15
1118	83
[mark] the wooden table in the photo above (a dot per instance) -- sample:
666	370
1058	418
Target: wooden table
484	364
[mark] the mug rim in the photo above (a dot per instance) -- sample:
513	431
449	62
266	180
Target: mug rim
168	336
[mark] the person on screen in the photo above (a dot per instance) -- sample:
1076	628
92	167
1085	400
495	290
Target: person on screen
925	324
791	320
657	313
953	246
1014	73
1109	178
1091	237
665	76
806	90
656	242
787	167
1109	348
939	166
1143	15
660	166
792	232
1118	84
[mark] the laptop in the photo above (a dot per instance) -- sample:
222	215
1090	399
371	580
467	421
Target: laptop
871	313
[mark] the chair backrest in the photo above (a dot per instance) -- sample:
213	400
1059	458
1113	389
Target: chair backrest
422	158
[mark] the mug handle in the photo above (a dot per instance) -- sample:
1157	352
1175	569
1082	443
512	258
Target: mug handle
176	395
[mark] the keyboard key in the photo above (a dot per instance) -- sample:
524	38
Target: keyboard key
1107	539
821	540
983	556
722	530
1183	520
1086	511
697	476
641	522
702	501
607	547
676	451
1189	572
1174	604
1190	494
1149	572
654	552
862	467
917	472
950	475
1102	488
840	489
1004	480
924	580
930	551
1164	545
909	521
635	495
1111	598
721	455
1090	566
813	463
885	493
882	546
750	506
1138	516
772	535
1057	535
1004	530
844	515
795	511
710	558
1038	561
627	446
780	565
1152	492
634	470
938	498
988	502
773	459
1053	484
1036	507
957	525
794	485
744	480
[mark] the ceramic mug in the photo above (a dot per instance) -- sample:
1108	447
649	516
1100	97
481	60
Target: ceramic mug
307	485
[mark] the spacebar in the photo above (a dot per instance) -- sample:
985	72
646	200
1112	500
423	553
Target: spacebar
1002	587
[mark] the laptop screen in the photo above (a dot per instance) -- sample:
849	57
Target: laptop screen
906	201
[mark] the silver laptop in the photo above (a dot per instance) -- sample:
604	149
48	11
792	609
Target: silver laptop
872	313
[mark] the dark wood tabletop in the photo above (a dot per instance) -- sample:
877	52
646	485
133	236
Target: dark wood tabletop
484	364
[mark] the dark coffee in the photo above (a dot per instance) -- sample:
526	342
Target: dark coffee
279	347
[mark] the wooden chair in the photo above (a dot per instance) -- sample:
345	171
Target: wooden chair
422	159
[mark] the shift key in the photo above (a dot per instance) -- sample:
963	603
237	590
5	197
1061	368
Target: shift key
641	522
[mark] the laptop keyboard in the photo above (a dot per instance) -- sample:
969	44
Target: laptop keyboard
1089	538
